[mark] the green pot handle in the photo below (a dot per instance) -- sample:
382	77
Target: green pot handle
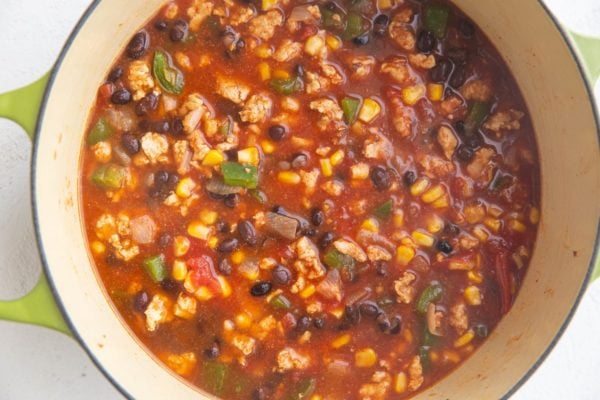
38	307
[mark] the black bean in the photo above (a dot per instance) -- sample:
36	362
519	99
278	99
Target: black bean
303	323
383	323
115	74
172	180
281	275
178	31
381	268
458	55
444	246
213	351
228	245
176	126
138	45
425	41
464	153
261	288
231	200
451	229
317	217
170	286
330	6
380	177
325	240
473	141
224	267
161	126
458	78
247	232
361	40
352	314
160	25
232	154
299	160
395	325
147	104
459	126
466	28
481	330
130	143
409	178
222	226
164	240
161	177
141	301
441	71
121	96
369	308
277	132
240	45
380	24
259	393
319	322
299	70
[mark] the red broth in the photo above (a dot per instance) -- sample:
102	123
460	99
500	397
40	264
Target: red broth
330	200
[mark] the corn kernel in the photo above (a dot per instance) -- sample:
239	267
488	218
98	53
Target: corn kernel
369	110
495	211
208	217
337	312
288	177
341	341
243	320
281	74
398	218
516	225
473	295
464	339
185	187
267	146
435	91
434	356
198	230
475	276
264	71
493	223
423	239
337	157
385	5
370	224
264	51
268	4
326	167
181	245
212	242
412	94
433	194
365	358
481	233
249	155
534	215
434	223
203	293
314	45
474	213
404	254
451	356
98	247
308	291
419	186
400	383
333	42
442	202
238	257
179	270
212	158
316	397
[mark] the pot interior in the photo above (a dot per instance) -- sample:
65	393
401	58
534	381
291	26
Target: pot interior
568	145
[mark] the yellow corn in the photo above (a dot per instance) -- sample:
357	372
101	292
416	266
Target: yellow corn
398	218
211	126
464	339
181	245
238	257
198	230
452	356
495	211
365	358
385	5
434	356
516	225
337	157
208	217
369	110
534	215
442	202
326	167
434	223
337	312
419	186
243	320
268	4
435	91
475	277
281	74
203	293
98	247
185	187
179	270
333	42
264	71
341	341
249	155
264	51
480	233
423	239
212	158
412	94
400	383
212	242
474	213
314	45
493	223
267	146
404	254
433	194
472	295
370	224
308	291
288	177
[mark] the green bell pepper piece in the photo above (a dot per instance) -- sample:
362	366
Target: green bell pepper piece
335	259
109	176
384	210
431	294
280	302
100	132
287	86
436	19
354	26
350	107
215	376
167	75
156	267
478	112
330	21
302	390
243	175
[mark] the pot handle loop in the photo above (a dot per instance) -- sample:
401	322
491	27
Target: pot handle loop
38	307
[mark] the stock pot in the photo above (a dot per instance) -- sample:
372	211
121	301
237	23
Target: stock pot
554	70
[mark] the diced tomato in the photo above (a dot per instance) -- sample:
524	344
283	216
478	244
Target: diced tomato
203	273
106	91
307	30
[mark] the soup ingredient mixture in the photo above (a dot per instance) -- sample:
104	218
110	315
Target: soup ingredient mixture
327	200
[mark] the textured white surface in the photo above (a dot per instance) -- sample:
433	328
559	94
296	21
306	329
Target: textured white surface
38	363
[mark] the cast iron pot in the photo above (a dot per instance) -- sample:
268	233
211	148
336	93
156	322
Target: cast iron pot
551	77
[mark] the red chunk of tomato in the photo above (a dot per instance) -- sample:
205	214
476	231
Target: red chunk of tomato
203	273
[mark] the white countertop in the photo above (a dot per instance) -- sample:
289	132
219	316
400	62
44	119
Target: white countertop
38	363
